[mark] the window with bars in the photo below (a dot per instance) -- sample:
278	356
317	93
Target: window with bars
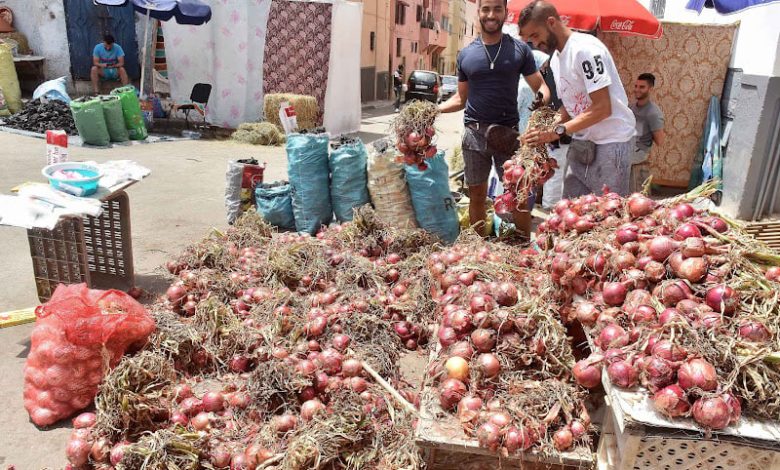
398	47
657	8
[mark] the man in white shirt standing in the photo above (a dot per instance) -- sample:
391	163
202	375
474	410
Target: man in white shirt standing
595	109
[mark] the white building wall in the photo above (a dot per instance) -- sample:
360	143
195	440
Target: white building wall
43	23
757	45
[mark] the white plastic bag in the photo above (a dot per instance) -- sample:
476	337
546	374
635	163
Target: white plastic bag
288	118
553	188
495	186
53	90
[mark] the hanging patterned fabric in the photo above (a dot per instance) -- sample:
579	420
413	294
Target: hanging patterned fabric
227	53
298	49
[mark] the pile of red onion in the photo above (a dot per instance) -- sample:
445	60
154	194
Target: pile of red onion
644	278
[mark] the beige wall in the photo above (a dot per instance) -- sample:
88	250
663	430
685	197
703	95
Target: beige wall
375	19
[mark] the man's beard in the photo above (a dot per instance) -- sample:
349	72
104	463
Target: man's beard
551	44
641	96
485	29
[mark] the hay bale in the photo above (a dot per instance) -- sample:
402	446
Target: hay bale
306	109
259	133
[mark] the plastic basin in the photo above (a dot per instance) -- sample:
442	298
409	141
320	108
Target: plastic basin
75	178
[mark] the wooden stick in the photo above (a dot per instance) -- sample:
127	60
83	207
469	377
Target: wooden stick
409	407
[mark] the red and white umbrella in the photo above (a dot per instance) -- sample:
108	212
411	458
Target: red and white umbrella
617	16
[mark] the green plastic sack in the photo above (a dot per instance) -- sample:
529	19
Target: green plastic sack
131	108
90	121
115	120
9	82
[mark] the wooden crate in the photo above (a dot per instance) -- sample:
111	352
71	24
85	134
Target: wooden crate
446	446
766	231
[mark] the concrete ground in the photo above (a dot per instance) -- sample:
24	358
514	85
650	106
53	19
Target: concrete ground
176	205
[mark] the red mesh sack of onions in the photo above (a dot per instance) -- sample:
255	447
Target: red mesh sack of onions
415	134
78	335
530	167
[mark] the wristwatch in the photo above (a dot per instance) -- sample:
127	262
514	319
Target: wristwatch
560	129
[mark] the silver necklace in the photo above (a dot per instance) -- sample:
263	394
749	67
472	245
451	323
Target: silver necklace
493	60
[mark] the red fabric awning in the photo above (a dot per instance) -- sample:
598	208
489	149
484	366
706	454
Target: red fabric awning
617	16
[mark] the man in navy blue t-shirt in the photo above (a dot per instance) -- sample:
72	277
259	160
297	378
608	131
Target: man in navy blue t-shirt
489	71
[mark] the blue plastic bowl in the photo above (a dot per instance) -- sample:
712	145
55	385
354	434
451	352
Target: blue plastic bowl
84	183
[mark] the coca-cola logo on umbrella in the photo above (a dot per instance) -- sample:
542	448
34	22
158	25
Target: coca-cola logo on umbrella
625	25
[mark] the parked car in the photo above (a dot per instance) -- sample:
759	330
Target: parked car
424	85
449	86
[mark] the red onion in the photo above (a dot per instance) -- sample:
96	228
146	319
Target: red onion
489	436
563	439
447	336
722	299
614	355
622	260
468	408
692	269
671	401
665	349
697	373
687	230
671	315
84	420
467	278
484	339
614	293
450	393
505	294
460	320
310	408
773	273
596	262
717	224
635	298
587	372
655	271
489	365
285	423
239	461
351	368
710	320
672	292
101	449
77	452
220	457
213	401
643	314
640	205
516	439
330	361
201	421
612	336
754	331
461	349
735	406
586	312
657	373
623	374
693	247
660	248
191	406
712	413
358	384
625	235
239	400
577	429
118	452
501	419
177	417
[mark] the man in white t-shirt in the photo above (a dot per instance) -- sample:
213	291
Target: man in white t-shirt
595	109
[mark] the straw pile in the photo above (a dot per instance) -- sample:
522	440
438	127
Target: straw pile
306	109
259	133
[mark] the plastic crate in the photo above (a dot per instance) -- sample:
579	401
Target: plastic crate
623	448
94	250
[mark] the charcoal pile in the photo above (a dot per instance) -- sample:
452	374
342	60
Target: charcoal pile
39	117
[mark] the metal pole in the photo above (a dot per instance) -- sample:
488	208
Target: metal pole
143	61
